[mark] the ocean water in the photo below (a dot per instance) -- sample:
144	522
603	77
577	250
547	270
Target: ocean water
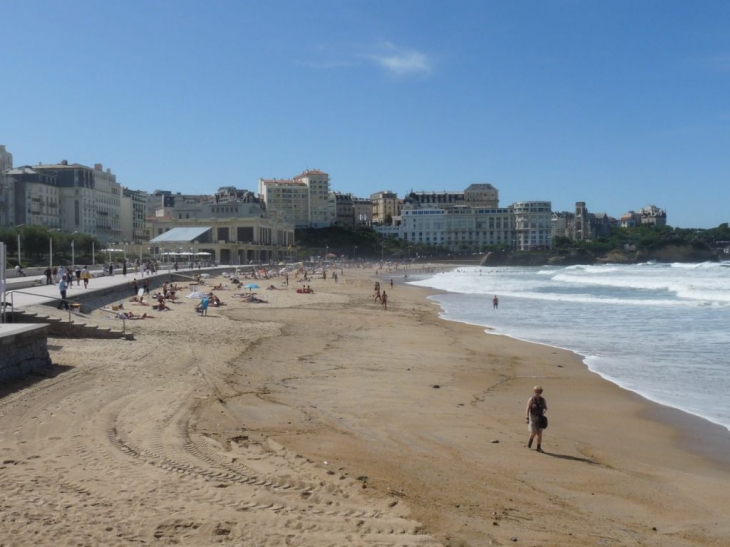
660	330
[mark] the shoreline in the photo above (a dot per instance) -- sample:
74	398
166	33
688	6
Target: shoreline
687	422
697	434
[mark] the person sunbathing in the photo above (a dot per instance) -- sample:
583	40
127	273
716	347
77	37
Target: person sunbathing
130	315
161	306
253	299
273	288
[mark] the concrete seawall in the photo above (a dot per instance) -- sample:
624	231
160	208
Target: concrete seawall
24	349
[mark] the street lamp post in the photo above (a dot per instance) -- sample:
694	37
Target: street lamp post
354	252
18	234
50	247
73	250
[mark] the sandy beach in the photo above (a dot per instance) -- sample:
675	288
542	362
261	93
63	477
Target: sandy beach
323	420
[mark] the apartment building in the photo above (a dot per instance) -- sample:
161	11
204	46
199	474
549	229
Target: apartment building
318	183
108	203
532	225
362	211
133	215
386	207
344	210
7	190
90	199
287	197
303	200
36	197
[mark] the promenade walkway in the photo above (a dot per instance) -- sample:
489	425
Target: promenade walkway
23	296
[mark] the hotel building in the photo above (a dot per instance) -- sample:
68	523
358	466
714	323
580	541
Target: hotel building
303	201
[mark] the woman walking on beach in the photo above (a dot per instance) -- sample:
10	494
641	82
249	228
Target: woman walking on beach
535	410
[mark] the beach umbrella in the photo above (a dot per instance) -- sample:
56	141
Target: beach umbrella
251	286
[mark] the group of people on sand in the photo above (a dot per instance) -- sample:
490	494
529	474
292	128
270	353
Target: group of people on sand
208	300
65	276
383	297
251	297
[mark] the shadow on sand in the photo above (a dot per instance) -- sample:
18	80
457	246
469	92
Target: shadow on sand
570	458
19	384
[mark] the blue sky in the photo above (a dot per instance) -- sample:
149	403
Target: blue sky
618	103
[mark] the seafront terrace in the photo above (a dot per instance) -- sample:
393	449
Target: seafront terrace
23	292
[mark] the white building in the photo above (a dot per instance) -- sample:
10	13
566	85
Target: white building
303	201
523	226
533	225
424	226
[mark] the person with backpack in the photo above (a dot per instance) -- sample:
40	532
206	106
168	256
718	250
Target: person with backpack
535	417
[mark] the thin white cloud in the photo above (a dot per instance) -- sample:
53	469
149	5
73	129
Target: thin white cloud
400	61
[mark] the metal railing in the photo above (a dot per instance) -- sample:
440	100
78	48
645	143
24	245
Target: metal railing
44	296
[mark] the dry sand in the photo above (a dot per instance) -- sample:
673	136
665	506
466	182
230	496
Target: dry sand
322	419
